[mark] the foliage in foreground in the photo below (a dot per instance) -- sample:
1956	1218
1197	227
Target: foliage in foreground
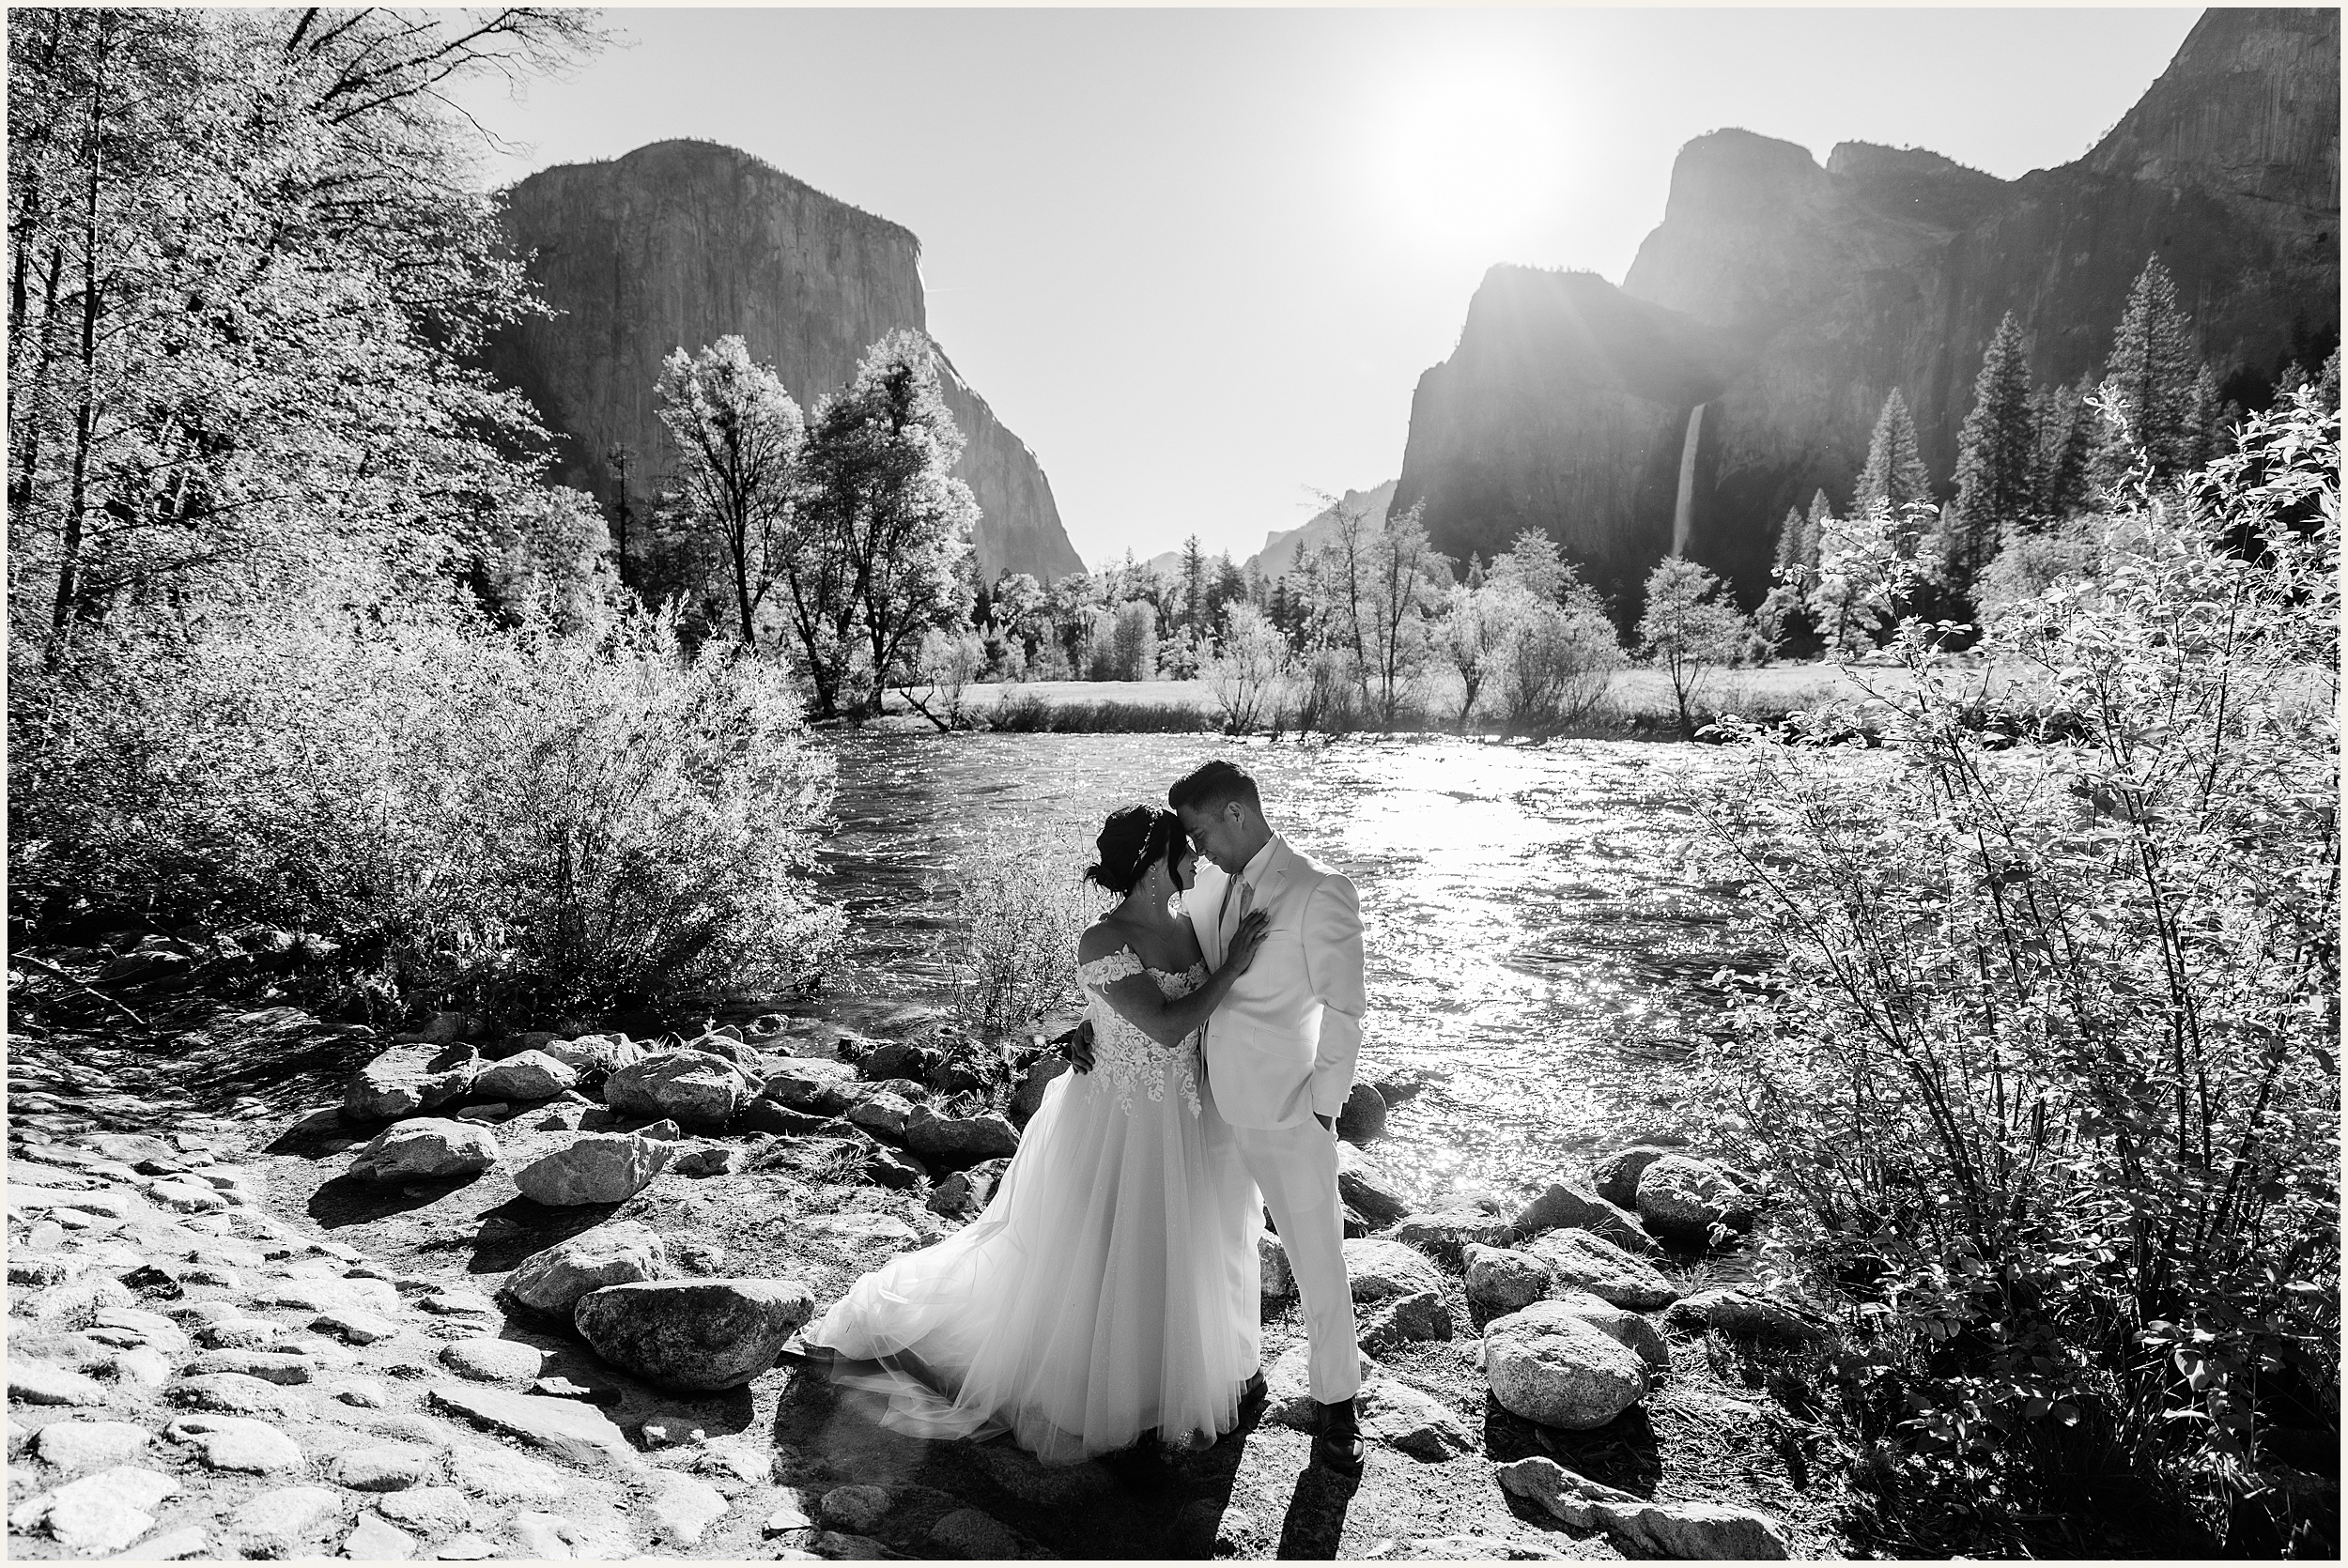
510	821
1015	965
2047	1064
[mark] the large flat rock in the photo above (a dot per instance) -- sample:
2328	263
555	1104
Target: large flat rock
565	1428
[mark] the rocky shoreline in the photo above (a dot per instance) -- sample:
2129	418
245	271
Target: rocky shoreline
534	1297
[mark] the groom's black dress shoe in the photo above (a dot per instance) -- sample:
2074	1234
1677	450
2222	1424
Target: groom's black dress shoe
1337	1440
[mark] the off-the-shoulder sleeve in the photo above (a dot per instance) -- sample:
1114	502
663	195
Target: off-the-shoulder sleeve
1103	973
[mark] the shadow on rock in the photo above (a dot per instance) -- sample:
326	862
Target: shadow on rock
349	1201
1139	1504
714	1415
1316	1516
519	1226
320	1134
1624	1453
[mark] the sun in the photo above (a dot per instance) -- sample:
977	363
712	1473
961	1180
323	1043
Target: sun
1475	153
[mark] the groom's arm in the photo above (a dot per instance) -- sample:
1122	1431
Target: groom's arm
1333	966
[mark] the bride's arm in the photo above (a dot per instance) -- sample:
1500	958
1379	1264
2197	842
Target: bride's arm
1168	1019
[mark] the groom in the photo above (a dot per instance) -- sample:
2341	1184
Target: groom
1279	1057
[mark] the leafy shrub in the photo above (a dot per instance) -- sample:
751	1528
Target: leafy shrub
509	820
1033	712
1245	669
1557	663
2048	1061
1014	960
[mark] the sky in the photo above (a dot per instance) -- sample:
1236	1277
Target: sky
1199	259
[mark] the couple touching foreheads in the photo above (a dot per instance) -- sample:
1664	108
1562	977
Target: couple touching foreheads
1109	1291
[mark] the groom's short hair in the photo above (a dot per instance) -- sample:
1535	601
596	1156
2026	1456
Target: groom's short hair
1211	785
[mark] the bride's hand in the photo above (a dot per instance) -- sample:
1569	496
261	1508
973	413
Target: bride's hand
1245	940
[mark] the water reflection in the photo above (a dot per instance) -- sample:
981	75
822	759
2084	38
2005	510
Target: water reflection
1540	928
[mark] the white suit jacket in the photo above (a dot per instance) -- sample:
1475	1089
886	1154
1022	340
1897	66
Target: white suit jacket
1280	1049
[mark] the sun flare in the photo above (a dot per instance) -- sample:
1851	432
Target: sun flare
1478	152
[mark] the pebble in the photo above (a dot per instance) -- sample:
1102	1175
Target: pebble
857	1510
669	1430
238	1334
87	1445
434	1509
237	1443
100	1512
362	1392
142	1364
174	1545
789	1517
150	1327
210	1311
385	1468
838	1547
495	1472
35	1383
378	1540
456	1303
231	1393
464	1548
543	1535
270	1366
683	1509
966	1533
284	1515
494	1361
354	1327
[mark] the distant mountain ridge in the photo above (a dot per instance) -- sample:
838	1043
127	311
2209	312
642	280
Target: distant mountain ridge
681	242
1284	547
1789	299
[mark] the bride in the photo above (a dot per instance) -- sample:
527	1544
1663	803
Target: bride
1109	1289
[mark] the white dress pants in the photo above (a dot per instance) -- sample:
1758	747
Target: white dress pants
1296	1170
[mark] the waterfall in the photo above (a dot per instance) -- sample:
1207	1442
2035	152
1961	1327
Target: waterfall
1687	481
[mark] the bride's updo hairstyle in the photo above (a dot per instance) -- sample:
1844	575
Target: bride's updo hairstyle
1131	841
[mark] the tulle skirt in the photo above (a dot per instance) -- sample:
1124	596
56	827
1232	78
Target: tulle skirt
1108	1290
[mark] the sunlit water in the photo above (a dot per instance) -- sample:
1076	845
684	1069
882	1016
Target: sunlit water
1541	923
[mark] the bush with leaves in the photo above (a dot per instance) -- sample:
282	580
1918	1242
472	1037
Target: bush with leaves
519	822
2048	1061
1014	960
1558	660
1244	671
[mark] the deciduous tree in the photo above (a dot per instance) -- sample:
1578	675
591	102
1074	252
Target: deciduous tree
1688	628
739	437
880	492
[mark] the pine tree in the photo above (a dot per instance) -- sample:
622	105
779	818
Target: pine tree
1813	523
1895	479
1194	587
2065	444
1790	542
2327	385
1997	450
2150	380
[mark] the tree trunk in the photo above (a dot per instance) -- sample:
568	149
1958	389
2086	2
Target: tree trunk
85	414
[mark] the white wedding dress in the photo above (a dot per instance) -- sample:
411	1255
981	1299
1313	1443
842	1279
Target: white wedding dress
1108	1290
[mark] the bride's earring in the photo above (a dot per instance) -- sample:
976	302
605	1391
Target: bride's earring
1174	900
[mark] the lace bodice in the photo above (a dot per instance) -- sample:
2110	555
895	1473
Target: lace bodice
1125	1060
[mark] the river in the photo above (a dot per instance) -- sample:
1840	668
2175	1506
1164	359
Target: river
1541	922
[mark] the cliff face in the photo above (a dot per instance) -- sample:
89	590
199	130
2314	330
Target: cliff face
1562	410
1815	291
682	243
